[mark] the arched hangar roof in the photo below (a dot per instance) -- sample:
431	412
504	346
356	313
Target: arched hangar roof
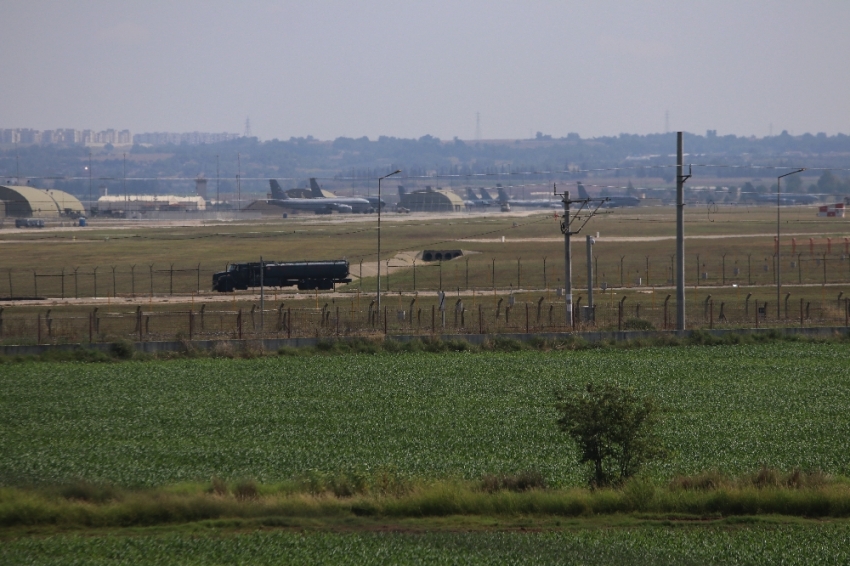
430	200
29	202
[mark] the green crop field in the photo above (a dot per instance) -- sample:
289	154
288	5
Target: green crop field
423	416
791	545
729	408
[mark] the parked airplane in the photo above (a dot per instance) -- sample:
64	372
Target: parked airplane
527	203
613	201
784	200
472	200
323	205
487	197
316	192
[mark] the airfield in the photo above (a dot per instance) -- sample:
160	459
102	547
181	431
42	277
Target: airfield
511	261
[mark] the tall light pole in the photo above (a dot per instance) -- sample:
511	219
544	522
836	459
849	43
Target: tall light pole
778	263
90	184
378	262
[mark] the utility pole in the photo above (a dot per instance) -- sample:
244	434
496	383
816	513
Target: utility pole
124	184
238	182
90	184
680	233
262	299
217	180
567	231
590	242
568	267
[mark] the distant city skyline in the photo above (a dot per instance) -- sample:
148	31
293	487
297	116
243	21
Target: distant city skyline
476	69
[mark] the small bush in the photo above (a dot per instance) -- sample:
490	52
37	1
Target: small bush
523	481
245	490
614	429
122	349
288	351
348	484
219	486
502	344
89	492
638	324
701	482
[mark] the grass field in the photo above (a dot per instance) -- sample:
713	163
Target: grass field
634	243
439	422
728	408
755	544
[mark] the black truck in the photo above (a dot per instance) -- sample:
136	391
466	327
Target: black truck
307	275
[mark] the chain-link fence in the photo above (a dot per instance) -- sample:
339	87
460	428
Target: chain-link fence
823	265
410	315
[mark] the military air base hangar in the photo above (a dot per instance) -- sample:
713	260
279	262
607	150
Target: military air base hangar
430	200
29	202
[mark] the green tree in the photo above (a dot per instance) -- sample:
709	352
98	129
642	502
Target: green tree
614	429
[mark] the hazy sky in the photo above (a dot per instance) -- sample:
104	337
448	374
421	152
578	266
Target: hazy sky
408	68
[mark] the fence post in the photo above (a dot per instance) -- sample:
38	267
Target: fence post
801	312
433	319
11	292
199	278
139	321
38	329
289	322
239	323
526	318
94	272
385	320
620	314
171	280
63	282
480	320
133	280
35	283
113	282
151	272
191	324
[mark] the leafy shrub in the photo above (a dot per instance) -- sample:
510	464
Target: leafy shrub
523	481
89	492
245	490
614	429
638	324
122	349
219	486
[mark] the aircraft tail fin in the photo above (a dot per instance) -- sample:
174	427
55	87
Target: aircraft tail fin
470	194
401	191
315	189
485	195
277	191
503	196
582	193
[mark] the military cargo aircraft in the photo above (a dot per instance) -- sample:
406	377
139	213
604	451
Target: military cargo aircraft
613	201
323	205
316	192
